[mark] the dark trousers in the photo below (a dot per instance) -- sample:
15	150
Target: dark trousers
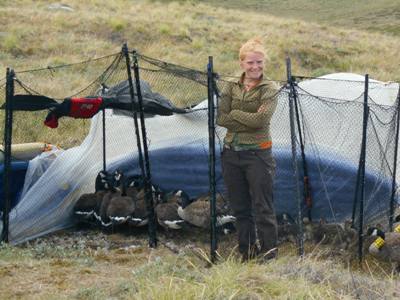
248	176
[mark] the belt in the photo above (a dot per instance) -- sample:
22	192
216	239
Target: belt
263	146
236	148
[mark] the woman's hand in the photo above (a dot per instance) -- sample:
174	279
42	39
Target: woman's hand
262	108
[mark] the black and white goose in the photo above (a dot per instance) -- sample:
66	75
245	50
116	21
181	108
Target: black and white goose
88	204
108	212
121	206
198	214
386	246
167	210
140	216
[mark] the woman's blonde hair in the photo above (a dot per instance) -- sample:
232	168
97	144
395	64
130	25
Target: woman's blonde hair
252	45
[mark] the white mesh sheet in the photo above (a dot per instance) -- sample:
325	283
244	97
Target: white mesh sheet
47	205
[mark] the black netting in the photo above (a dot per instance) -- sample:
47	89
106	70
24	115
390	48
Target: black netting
174	142
333	126
330	115
184	87
381	143
59	82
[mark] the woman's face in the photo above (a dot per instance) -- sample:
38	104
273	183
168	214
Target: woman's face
253	65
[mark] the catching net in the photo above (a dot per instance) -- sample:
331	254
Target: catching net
330	114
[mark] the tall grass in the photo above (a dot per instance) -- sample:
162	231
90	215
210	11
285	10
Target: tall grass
186	33
86	265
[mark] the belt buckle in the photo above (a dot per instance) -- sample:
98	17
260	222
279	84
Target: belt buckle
238	148
235	148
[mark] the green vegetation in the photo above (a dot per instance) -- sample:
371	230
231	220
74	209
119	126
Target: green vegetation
186	32
92	265
372	15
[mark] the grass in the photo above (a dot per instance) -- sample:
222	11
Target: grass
186	33
80	35
379	16
92	265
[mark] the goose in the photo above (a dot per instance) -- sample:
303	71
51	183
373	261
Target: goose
167	210
134	184
198	214
121	206
88	204
350	236
114	191
140	215
328	233
287	228
385	247
308	228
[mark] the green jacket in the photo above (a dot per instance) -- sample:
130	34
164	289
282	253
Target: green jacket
237	111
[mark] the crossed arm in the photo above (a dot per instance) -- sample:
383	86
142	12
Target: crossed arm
240	121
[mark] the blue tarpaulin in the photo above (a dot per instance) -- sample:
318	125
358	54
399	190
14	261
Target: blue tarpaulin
332	180
18	171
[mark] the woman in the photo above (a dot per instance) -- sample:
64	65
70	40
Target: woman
245	109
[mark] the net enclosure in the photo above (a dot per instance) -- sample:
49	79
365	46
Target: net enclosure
330	139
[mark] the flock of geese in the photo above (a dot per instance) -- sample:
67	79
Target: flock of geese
382	245
121	200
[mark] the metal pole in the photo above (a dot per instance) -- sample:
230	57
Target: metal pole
306	179
135	119
211	162
396	147
300	239
149	203
104	140
355	202
362	170
7	154
103	91
148	188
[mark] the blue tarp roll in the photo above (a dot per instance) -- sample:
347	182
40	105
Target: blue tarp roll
332	179
18	171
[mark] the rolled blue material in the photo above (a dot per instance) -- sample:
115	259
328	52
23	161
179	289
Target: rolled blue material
332	180
18	171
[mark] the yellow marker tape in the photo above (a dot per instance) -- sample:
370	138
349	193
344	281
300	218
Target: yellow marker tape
379	242
397	229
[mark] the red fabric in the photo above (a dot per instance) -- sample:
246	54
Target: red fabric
85	107
51	121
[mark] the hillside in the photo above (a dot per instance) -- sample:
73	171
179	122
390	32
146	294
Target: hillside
370	15
187	33
37	34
